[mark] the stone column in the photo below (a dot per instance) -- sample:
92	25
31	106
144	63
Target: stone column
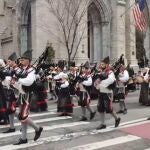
97	42
0	47
106	40
2	7
120	29
23	38
130	37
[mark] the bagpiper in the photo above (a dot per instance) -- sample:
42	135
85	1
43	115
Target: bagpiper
84	85
9	91
3	112
24	83
122	80
105	83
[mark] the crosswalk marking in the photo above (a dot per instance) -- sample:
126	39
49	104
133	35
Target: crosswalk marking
46	128
102	144
40	114
92	146
43	120
63	136
87	131
75	107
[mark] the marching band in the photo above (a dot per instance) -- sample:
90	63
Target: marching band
23	85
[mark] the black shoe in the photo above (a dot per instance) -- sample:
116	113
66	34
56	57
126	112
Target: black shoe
148	118
117	122
4	122
83	119
62	114
125	111
102	126
21	141
120	112
92	115
38	133
10	130
67	114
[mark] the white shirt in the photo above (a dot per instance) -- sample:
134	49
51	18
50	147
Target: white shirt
103	86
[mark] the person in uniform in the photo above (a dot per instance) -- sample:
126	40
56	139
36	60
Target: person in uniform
72	74
123	78
3	112
144	92
51	84
24	83
64	104
84	88
9	91
105	84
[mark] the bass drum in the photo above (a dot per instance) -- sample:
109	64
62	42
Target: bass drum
131	86
139	79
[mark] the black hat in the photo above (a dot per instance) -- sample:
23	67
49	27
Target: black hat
86	65
13	57
52	65
121	59
61	64
106	60
72	64
27	54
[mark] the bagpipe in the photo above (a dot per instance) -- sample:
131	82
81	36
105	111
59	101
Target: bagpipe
116	65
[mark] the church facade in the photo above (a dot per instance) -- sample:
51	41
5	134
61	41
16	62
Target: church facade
110	31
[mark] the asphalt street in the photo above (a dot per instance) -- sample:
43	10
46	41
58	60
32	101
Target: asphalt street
68	133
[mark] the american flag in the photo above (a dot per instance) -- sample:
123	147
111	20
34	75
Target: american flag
139	16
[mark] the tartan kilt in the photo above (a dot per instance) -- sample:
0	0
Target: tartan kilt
119	93
2	106
84	99
105	103
64	103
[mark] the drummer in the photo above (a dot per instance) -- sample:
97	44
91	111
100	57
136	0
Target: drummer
144	92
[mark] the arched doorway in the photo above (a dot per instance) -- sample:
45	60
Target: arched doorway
98	31
25	26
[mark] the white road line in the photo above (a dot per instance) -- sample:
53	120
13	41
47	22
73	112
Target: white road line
108	129
118	140
40	114
41	121
147	149
106	143
71	135
46	128
54	110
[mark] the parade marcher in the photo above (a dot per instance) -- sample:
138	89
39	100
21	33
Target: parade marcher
144	98
24	83
122	80
51	83
3	113
103	83
39	96
84	87
64	104
9	92
72	75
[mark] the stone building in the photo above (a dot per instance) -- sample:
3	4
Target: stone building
29	24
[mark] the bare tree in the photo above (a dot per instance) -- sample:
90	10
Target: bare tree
71	16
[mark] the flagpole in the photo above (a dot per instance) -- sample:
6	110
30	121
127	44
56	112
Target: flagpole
127	10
